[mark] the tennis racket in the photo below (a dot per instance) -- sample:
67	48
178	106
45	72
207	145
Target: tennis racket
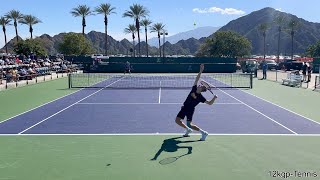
205	84
170	160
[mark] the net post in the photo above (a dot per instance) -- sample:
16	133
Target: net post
69	80
251	81
88	80
231	80
315	81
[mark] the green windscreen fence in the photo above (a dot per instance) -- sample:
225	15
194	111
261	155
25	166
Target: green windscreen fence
167	65
316	65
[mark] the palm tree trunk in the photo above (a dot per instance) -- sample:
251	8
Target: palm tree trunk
5	39
134	53
292	34
138	29
83	25
106	34
278	53
264	46
31	30
16	28
159	45
147	48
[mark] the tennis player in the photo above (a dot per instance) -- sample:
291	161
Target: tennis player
127	68
193	99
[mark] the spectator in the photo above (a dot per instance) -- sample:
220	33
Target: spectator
1	75
31	70
304	71
23	72
9	75
64	68
264	69
309	72
15	75
7	60
18	61
1	62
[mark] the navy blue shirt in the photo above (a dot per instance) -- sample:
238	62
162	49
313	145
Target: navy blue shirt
127	65
190	102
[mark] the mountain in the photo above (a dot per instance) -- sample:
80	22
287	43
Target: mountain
196	33
306	34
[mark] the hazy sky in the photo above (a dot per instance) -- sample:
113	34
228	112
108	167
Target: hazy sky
177	15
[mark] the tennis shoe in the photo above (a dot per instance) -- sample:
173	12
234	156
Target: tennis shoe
204	135
188	131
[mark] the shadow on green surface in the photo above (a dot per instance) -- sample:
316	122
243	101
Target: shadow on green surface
171	145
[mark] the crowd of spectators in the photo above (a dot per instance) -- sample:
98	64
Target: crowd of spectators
14	68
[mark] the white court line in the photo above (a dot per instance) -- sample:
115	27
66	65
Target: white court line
257	111
160	93
151	103
164	134
41	105
68	107
45	103
283	108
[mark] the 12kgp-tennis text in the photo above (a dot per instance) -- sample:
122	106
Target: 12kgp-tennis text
292	174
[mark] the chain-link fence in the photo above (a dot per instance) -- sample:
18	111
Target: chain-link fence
280	75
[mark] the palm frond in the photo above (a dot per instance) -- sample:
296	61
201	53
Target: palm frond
263	27
4	21
280	20
14	15
30	20
130	29
136	11
158	27
293	24
105	9
145	22
81	10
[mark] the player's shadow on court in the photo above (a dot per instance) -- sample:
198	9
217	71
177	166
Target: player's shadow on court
171	145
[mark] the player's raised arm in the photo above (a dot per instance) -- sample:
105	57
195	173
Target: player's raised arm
212	100
198	76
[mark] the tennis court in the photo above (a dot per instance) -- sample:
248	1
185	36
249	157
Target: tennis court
117	127
149	104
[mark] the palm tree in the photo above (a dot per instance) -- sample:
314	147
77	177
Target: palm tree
280	22
263	28
15	16
106	10
136	12
146	23
83	11
30	21
293	24
131	29
4	22
158	27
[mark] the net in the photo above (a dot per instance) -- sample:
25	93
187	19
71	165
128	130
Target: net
99	80
317	83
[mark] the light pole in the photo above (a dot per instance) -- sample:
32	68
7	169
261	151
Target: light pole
164	33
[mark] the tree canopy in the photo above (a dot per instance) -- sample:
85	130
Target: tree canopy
314	50
75	44
30	46
225	44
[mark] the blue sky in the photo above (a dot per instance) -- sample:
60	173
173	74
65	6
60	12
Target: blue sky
178	15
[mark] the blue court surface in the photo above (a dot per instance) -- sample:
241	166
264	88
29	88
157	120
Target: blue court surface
153	111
